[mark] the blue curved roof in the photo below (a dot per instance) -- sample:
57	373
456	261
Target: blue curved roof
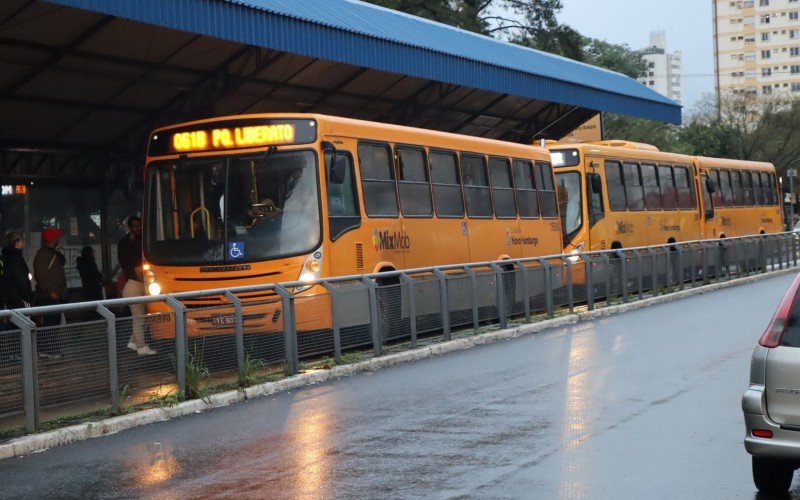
360	34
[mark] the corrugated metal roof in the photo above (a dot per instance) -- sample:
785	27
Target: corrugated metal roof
361	34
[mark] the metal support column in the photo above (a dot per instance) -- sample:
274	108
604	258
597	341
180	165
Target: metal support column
238	330
501	295
289	330
181	343
30	369
445	303
374	316
412	307
113	365
336	321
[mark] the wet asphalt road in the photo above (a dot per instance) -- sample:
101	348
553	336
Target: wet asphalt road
639	405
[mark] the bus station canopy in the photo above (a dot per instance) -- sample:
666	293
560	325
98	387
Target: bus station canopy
97	75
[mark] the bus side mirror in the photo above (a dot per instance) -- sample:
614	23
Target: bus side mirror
338	168
596	183
338	165
711	186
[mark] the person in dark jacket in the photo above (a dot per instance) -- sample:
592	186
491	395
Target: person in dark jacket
18	293
16	274
91	277
51	289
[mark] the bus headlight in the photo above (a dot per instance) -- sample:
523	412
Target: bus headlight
575	253
311	271
154	288
150	277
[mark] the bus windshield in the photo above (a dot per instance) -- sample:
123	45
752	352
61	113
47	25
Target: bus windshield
230	209
571	205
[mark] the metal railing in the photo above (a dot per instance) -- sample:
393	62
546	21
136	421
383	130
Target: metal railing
84	363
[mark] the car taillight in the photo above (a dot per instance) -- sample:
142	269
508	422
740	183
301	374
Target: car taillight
774	334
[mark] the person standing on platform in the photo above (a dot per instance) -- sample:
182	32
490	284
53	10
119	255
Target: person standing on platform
19	292
91	277
51	289
129	252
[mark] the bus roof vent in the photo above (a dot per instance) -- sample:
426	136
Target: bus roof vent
626	144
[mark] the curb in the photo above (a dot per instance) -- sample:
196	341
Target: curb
39	442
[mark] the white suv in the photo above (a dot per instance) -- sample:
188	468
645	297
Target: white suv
771	404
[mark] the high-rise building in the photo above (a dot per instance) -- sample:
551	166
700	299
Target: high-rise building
663	69
757	46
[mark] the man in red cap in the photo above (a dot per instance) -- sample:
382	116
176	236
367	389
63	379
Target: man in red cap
51	288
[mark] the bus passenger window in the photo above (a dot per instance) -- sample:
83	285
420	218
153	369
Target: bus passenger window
727	190
616	190
738	192
502	188
683	188
343	211
446	185
377	180
547	193
767	187
652	195
747	188
415	191
758	190
669	195
476	186
633	186
526	189
776	197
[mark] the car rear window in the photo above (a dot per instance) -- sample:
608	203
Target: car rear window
791	338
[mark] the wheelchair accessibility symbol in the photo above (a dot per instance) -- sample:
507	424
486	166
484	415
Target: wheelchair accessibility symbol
236	249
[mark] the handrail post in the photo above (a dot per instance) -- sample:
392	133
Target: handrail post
375	327
238	329
526	287
548	287
623	274
567	261
704	263
181	342
289	330
653	271
679	249
501	295
588	277
445	302
30	369
336	322
607	262
473	276
412	307
692	267
638	255
113	365
762	254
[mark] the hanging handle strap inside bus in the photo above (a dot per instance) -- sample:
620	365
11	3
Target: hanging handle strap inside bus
206	220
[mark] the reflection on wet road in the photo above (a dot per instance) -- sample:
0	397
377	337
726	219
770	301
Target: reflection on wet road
644	404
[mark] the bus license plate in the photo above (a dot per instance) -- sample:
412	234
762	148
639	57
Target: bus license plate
223	319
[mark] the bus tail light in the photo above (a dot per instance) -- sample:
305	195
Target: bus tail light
773	336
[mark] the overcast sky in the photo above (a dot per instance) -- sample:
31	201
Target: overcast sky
687	23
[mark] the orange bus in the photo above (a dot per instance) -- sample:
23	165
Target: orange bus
271	198
619	194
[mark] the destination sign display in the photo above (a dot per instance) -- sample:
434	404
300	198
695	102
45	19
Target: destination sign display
220	136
